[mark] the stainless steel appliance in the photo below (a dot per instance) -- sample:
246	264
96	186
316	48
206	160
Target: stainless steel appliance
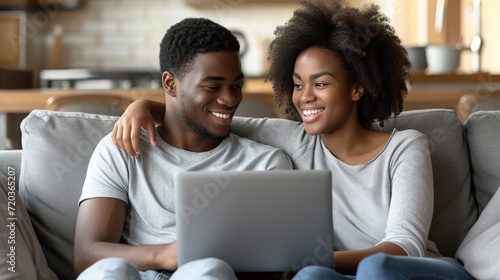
100	79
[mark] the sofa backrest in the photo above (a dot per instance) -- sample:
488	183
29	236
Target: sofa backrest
454	205
483	135
57	147
56	150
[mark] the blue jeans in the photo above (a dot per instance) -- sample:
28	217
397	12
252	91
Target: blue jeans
119	269
387	267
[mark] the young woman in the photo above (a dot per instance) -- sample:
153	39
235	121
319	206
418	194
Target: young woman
335	70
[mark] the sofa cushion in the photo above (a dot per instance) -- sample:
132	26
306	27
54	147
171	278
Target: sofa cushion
56	150
454	205
483	135
480	250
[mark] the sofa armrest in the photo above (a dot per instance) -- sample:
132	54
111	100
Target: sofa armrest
10	160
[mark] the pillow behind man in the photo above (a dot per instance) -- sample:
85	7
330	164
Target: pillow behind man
53	171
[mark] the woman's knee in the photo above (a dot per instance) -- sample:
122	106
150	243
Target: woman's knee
376	260
314	272
379	265
217	266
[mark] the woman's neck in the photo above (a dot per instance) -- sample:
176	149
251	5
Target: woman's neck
356	144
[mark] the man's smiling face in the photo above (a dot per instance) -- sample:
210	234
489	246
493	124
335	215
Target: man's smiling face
210	93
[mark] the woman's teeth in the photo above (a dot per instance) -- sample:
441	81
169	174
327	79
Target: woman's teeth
312	112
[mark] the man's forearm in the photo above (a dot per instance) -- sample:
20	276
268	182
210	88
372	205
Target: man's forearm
157	109
144	257
346	262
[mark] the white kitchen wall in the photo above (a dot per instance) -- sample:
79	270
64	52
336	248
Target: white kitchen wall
126	33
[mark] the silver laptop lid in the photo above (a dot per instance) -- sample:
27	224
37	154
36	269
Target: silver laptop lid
257	221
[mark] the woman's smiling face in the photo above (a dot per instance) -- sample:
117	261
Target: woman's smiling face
323	94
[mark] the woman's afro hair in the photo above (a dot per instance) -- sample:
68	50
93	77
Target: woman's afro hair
183	41
371	52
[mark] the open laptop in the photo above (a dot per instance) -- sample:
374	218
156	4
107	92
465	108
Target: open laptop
257	221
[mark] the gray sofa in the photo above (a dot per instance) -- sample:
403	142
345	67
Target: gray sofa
57	146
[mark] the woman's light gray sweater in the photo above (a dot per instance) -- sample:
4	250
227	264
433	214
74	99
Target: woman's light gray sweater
388	199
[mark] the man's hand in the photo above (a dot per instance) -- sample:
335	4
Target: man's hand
167	257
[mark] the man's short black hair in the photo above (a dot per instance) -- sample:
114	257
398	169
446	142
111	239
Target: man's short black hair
183	41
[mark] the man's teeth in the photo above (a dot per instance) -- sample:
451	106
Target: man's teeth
312	112
222	116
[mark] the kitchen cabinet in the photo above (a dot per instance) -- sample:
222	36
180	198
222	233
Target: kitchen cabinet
15	4
14	25
234	3
36	4
13	38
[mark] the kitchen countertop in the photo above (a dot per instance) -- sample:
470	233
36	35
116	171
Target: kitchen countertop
458	81
26	100
441	91
455	78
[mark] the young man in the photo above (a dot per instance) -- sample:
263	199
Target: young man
126	221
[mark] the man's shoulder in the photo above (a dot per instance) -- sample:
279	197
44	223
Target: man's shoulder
249	143
249	150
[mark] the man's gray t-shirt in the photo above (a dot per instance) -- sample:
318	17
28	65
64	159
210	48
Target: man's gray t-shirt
388	199
145	183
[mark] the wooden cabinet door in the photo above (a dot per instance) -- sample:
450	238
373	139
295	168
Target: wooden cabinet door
15	4
12	39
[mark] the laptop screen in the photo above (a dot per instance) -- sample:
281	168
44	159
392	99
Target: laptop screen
256	221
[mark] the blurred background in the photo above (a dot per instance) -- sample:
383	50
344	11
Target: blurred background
125	34
56	48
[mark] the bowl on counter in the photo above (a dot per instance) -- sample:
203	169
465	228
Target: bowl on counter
442	59
417	57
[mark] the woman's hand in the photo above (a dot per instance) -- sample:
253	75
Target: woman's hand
127	129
